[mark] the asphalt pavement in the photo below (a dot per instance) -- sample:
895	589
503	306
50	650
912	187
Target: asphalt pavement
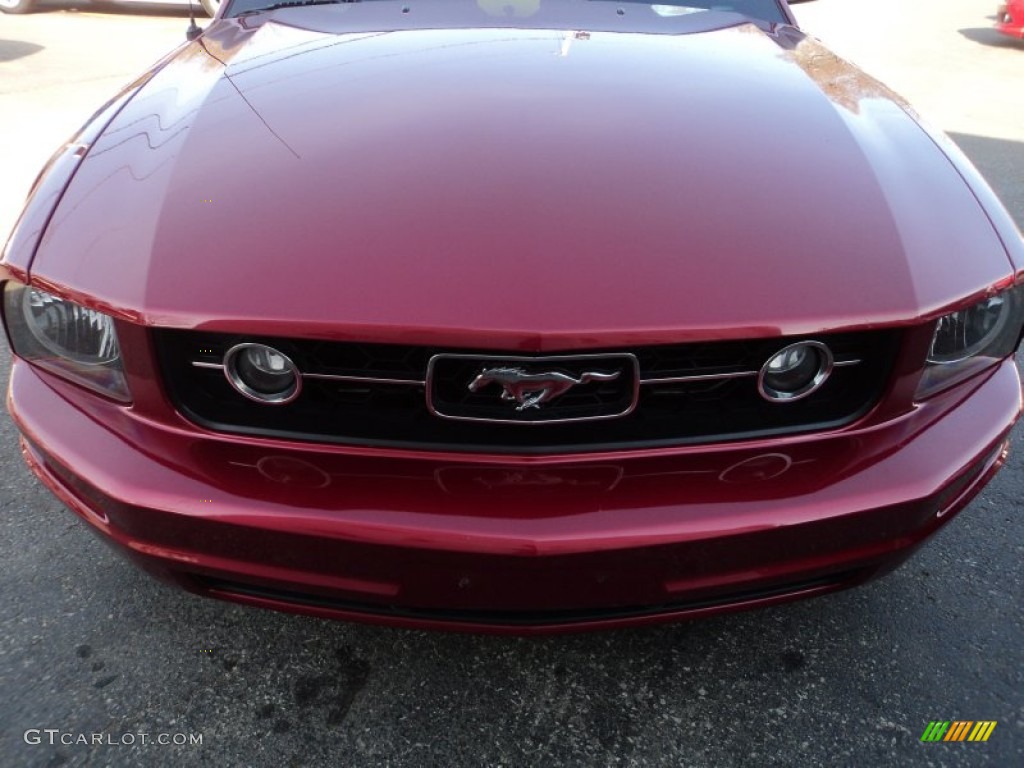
91	647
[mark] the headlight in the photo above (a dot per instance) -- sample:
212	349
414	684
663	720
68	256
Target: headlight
971	339
70	340
963	334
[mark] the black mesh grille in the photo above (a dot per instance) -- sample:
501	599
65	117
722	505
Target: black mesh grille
397	414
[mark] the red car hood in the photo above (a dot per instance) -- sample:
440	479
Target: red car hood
515	187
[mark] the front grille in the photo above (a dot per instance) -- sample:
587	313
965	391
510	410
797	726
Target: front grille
377	394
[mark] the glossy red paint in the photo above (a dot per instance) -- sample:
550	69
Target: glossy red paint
1010	18
556	535
459	163
359	173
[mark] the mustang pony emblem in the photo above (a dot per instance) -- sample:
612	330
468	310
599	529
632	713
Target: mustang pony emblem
531	390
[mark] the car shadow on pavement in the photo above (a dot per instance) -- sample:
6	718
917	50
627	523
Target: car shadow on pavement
1001	162
991	36
99	7
16	49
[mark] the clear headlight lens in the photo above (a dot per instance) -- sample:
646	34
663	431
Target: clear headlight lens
70	340
972	339
963	334
69	330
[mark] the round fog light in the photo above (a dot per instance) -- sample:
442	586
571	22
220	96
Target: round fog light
262	373
794	372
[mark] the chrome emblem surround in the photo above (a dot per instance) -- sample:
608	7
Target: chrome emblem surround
529	389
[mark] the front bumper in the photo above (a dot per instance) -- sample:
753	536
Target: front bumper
521	544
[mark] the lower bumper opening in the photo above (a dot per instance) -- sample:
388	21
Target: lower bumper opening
286	599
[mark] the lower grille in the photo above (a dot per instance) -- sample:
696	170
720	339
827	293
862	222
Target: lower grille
377	394
806	587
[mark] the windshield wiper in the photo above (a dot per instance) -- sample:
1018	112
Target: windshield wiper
292	4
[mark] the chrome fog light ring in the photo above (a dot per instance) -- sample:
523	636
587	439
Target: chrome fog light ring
262	373
796	371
